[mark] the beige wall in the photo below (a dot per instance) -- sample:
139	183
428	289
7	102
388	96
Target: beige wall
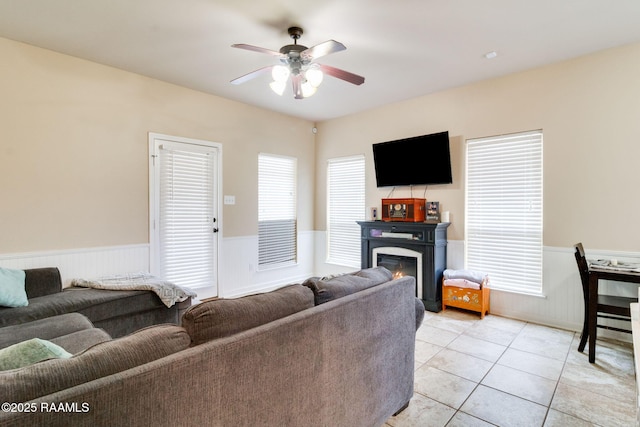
74	147
589	111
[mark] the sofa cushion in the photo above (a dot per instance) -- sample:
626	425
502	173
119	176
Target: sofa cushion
101	360
28	352
79	341
377	274
223	317
330	288
42	281
48	328
12	288
96	304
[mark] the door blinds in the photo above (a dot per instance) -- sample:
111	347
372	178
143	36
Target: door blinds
186	217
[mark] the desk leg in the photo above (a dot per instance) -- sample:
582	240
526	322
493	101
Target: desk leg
592	316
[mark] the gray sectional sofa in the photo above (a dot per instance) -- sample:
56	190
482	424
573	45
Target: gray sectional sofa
117	312
336	352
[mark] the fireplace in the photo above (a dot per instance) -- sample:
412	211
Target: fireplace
410	249
400	262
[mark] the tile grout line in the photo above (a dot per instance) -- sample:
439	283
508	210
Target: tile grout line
555	389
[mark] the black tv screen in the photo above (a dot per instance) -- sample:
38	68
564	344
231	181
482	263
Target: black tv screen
419	160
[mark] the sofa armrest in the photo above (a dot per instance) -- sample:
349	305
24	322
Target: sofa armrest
42	281
46	329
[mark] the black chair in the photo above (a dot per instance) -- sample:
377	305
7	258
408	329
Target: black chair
609	306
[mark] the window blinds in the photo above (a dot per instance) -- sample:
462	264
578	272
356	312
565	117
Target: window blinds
504	210
186	209
277	220
345	206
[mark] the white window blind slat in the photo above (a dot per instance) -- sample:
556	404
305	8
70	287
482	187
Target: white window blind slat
277	216
186	210
345	206
504	210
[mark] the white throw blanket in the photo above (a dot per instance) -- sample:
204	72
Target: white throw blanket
169	292
462	283
470	275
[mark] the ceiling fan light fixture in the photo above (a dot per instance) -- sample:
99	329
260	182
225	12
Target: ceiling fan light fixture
307	89
280	73
314	76
278	87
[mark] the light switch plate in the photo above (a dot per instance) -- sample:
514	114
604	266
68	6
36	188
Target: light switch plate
229	200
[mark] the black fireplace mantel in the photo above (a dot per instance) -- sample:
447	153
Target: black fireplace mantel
429	239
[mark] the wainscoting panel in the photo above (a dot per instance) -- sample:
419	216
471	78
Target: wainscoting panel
84	263
560	306
239	272
455	254
562	302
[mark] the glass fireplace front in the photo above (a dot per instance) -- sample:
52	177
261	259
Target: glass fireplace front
400	262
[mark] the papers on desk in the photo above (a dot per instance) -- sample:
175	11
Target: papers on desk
606	264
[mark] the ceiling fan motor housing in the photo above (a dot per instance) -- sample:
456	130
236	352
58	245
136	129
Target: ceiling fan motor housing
292	57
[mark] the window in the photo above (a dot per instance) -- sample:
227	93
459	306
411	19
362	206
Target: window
504	210
277	220
183	213
345	206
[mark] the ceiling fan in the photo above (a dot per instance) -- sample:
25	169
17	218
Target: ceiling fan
296	61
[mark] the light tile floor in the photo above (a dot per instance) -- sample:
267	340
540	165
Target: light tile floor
505	372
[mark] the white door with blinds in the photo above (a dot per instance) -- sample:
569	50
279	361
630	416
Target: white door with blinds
504	210
184	212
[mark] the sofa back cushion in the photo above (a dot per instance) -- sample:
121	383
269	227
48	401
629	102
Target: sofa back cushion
330	288
223	317
101	360
42	281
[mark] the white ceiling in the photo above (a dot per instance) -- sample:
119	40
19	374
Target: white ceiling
404	48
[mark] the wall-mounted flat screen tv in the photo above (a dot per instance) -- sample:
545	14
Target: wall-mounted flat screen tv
420	160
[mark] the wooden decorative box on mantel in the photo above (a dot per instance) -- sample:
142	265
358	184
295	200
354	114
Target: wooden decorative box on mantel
466	298
403	210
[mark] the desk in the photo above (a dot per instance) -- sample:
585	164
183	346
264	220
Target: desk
595	275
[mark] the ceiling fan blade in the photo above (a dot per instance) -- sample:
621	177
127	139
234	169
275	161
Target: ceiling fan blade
322	49
297	86
342	74
256	49
252	75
